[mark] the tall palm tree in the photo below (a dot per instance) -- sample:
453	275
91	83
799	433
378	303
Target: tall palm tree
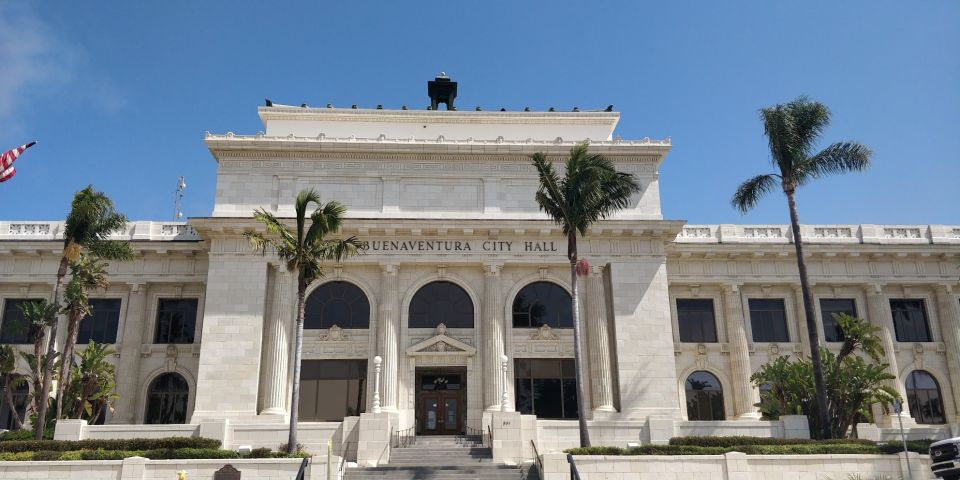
303	249
590	190
86	272
8	366
91	221
40	315
792	131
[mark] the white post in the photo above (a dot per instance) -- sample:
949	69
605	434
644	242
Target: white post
505	398
376	385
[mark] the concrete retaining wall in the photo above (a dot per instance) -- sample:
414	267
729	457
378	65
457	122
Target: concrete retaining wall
137	468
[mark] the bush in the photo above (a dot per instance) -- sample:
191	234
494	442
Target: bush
124	444
801	448
24	434
919	446
737	440
262	452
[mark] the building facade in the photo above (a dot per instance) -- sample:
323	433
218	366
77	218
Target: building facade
461	270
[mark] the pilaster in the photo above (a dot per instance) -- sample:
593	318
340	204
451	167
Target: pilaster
128	368
878	313
948	309
744	395
601	377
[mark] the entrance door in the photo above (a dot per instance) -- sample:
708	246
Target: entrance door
440	402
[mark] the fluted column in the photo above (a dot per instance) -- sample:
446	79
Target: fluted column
492	337
878	313
128	368
744	396
948	308
388	327
601	376
804	334
276	339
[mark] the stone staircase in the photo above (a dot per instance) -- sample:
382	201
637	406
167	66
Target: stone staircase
441	458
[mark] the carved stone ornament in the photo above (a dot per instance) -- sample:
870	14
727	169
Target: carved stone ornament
170	360
440	330
774	349
441	347
334	334
544	333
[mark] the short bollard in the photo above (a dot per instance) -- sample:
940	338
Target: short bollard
182	475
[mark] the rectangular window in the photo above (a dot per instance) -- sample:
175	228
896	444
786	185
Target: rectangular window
546	388
332	389
695	320
176	320
101	325
910	320
14	327
829	306
768	320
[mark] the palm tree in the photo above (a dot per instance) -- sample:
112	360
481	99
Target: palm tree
85	273
590	190
8	365
303	249
91	221
40	314
94	381
792	130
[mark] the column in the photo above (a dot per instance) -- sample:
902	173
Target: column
128	368
948	308
744	396
601	377
276	339
388	326
878	313
801	320
492	337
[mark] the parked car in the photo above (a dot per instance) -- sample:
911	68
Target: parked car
945	458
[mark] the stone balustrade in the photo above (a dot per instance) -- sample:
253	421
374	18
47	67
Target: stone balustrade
823	234
139	230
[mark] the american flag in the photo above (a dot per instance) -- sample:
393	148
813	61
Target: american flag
6	161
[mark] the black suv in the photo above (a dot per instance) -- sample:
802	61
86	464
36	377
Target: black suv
945	458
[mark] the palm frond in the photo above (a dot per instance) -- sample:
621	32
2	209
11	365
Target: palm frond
302	203
92	217
550	195
111	249
275	226
841	157
751	191
780	132
325	220
810	119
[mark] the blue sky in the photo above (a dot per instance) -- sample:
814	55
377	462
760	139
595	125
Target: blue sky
119	94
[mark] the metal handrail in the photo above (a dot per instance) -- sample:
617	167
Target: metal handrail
343	457
536	456
469	433
404	437
574	473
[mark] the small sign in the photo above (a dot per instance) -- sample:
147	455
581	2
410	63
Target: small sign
227	473
897	407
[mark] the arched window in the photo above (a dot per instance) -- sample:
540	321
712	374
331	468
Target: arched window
542	303
167	399
704	397
923	398
337	303
441	302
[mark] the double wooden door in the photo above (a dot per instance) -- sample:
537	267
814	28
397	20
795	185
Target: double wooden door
440	413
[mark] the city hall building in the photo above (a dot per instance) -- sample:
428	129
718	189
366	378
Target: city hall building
462	271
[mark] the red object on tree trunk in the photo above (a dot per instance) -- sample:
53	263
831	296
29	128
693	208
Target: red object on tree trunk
583	267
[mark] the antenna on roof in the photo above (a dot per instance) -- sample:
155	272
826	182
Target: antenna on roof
178	198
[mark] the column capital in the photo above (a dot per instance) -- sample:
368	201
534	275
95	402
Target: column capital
596	270
389	268
492	269
873	288
137	287
732	287
944	287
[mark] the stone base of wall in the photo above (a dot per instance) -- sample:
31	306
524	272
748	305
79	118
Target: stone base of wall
737	466
137	468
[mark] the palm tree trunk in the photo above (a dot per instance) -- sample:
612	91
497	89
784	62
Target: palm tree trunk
297	354
51	351
73	329
37	379
8	397
577	354
823	406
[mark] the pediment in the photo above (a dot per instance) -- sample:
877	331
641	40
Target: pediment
441	344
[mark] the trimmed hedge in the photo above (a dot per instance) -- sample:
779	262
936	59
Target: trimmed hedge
23	434
742	440
155	454
14	446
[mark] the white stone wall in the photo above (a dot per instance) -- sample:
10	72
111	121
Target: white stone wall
137	468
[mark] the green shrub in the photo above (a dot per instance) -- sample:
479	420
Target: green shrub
188	453
23	434
803	448
112	444
919	446
16	456
107	454
262	452
740	440
808	449
46	455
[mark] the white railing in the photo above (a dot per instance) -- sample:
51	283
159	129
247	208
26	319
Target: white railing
230	136
814	234
142	230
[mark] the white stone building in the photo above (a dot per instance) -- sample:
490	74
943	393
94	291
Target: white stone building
461	269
